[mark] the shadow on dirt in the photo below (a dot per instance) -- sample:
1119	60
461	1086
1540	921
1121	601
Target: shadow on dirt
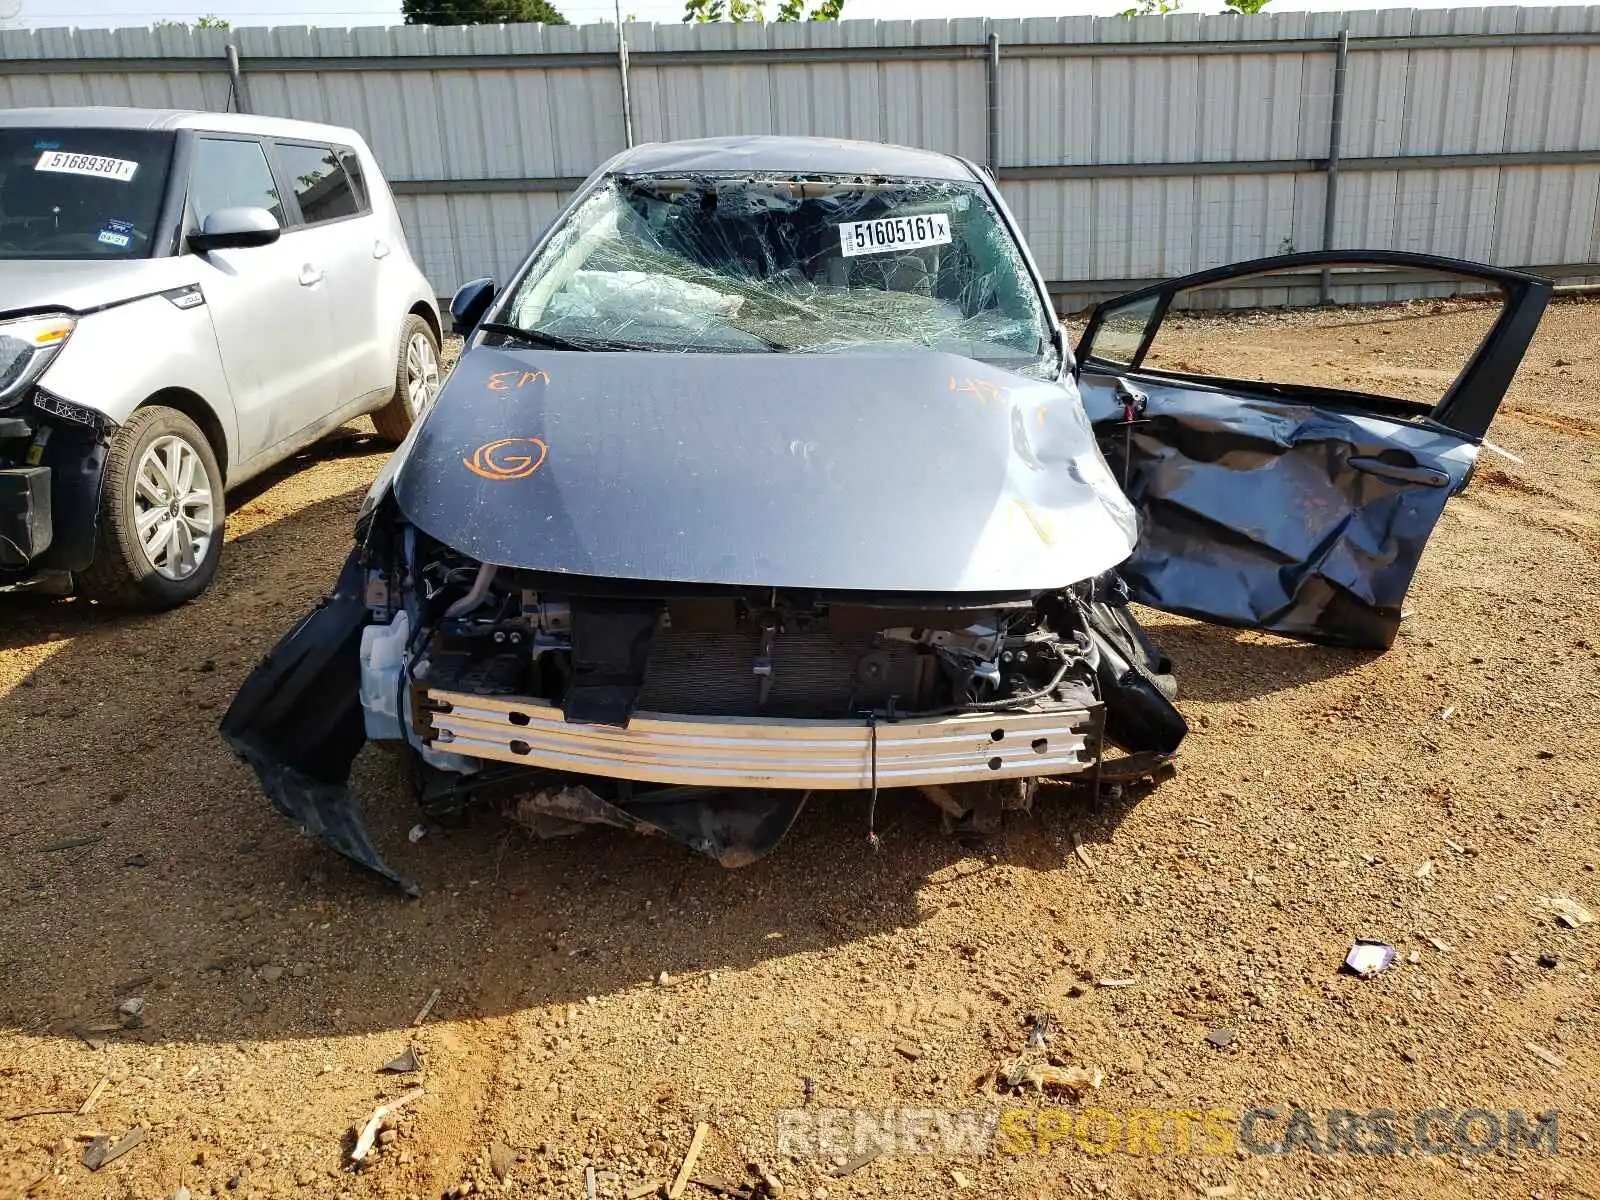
142	858
345	443
1216	664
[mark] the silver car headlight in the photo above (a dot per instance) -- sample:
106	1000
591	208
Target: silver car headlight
27	345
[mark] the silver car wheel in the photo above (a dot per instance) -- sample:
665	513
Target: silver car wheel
172	507
422	373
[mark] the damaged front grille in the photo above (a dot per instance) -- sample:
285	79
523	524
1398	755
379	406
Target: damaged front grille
802	673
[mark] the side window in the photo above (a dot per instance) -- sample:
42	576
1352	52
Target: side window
321	182
229	173
1407	341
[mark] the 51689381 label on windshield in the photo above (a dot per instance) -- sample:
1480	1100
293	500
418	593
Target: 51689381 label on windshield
888	234
101	167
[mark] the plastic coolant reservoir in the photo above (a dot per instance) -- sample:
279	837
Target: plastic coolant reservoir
383	653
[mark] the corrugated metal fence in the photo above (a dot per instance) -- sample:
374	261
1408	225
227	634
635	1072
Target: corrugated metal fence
1129	149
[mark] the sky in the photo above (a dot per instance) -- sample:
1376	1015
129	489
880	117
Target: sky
99	13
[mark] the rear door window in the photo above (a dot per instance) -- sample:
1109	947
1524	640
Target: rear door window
231	173
322	183
352	166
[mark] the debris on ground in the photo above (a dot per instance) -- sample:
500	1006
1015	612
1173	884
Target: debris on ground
1549	1058
132	1006
1367	959
1221	1038
501	1158
404	1063
416	833
1443	947
1569	912
1043	1026
72	843
1042	1075
696	1144
908	1051
589	1185
1116	983
272	972
1082	853
1549	961
369	1131
960	1178
857	1160
719	1187
433	998
94	1096
643	1190
102	1150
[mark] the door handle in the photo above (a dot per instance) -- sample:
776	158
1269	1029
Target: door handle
1412	473
310	276
380	249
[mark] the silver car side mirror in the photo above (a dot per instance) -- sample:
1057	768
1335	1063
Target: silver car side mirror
235	228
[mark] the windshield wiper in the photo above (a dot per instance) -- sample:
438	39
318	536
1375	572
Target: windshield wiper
538	337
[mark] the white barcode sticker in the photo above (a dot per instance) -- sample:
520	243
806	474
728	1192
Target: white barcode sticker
888	234
65	163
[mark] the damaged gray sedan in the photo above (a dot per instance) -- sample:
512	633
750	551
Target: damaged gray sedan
770	474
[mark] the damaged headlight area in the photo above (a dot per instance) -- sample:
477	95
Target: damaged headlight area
26	347
708	715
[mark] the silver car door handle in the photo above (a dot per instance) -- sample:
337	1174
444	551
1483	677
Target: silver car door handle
310	276
380	249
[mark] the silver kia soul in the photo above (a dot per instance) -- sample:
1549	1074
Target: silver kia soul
186	299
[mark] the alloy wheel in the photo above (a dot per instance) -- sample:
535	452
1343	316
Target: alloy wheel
172	507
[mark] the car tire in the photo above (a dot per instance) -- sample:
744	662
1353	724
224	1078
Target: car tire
417	379
157	545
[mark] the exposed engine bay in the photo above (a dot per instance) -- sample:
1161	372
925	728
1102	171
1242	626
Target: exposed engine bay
706	714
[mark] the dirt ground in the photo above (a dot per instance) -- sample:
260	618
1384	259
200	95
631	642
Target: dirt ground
1430	797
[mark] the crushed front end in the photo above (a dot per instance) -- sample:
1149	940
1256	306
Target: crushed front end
708	715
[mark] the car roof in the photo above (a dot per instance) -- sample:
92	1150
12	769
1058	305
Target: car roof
822	156
107	117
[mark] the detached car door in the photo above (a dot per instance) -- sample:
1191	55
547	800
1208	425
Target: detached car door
1283	502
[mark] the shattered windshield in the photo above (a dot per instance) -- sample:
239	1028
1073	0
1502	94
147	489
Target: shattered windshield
767	263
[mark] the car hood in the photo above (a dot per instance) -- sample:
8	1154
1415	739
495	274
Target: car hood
82	285
899	472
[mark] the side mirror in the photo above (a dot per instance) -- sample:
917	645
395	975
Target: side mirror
469	304
234	229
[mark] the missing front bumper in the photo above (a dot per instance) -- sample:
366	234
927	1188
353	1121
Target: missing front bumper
765	752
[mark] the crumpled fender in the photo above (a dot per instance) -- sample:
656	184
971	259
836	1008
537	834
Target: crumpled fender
297	721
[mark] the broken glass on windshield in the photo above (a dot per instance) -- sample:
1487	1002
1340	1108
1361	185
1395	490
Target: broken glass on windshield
742	263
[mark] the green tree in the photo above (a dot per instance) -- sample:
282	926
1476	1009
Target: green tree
481	12
751	10
206	22
1245	6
